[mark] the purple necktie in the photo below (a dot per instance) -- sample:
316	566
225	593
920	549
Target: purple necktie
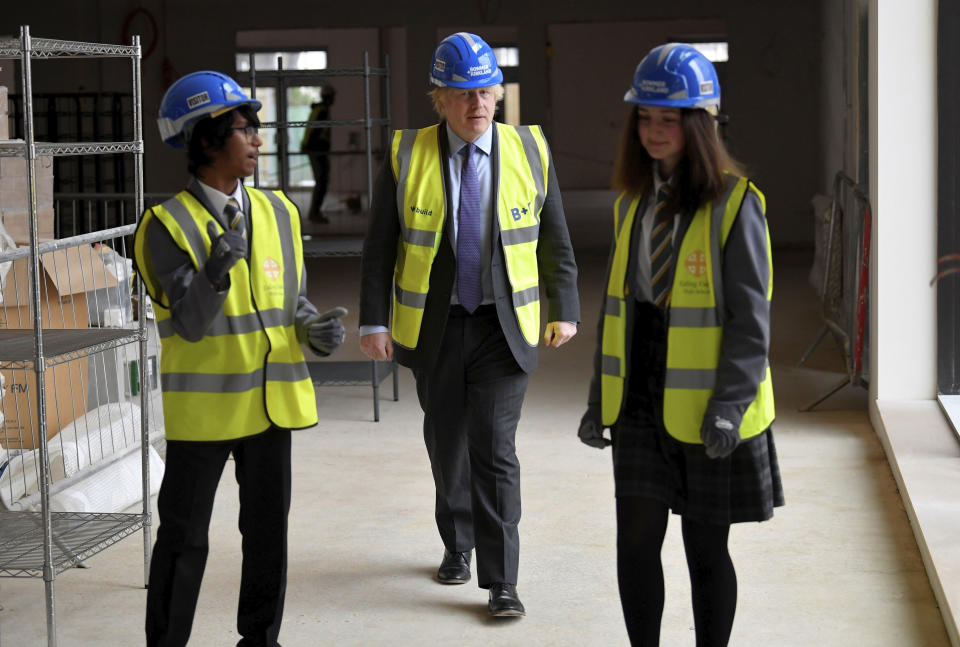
468	234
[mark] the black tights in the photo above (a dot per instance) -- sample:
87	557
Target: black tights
641	526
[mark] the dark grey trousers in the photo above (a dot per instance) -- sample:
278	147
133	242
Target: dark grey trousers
185	504
471	402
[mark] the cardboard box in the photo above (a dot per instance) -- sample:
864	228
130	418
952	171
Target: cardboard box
16	222
64	386
66	277
15	195
14	191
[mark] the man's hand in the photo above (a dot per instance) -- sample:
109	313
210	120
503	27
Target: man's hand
377	346
558	333
591	429
719	436
325	332
225	250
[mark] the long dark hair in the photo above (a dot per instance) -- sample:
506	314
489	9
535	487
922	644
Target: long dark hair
700	173
212	134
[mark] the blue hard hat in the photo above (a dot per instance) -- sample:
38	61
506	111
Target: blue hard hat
464	60
195	96
675	75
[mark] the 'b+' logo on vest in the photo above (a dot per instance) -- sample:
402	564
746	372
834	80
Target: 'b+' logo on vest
519	212
271	268
696	263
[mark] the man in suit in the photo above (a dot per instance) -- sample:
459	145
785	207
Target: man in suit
466	222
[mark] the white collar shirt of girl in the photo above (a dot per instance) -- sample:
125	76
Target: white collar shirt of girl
641	261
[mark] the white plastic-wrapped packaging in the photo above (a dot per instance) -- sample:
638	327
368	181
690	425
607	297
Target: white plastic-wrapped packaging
20	478
3	380
6	242
112	489
94	437
98	434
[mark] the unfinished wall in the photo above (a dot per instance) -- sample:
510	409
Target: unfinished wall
774	87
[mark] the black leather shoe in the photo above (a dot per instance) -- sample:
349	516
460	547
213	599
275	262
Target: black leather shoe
504	601
455	568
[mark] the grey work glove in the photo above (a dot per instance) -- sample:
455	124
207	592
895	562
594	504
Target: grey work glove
591	429
225	250
719	435
325	332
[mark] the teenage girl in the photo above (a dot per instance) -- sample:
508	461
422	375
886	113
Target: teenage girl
682	376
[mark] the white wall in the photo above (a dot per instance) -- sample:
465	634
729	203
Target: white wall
903	181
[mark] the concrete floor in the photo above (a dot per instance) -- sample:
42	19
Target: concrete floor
837	566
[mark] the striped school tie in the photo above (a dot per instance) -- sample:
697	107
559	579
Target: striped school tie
661	249
233	216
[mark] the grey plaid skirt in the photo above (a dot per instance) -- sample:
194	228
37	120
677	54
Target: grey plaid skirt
742	487
648	462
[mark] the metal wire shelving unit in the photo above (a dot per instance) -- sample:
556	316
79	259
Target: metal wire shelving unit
326	372
45	543
284	78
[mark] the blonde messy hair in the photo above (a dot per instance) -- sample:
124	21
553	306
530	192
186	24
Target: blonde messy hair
436	95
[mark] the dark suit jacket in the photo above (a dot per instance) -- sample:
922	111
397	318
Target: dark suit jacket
558	270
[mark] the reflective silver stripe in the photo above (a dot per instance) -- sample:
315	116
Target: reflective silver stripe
291	287
716	243
694	317
189	228
404	152
469	38
233	325
521	235
532	152
212	382
237	325
523	297
623	208
612	306
690	378
610	365
232	382
243	324
716	250
420	237
287	372
270	318
410	299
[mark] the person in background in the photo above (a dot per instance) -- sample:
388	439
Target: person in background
223	266
316	144
681	371
466	222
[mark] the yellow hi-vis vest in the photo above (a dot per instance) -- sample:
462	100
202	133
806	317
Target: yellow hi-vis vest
247	372
421	205
695	319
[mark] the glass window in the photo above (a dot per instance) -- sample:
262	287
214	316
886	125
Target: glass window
306	60
300	101
507	56
716	52
298	106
